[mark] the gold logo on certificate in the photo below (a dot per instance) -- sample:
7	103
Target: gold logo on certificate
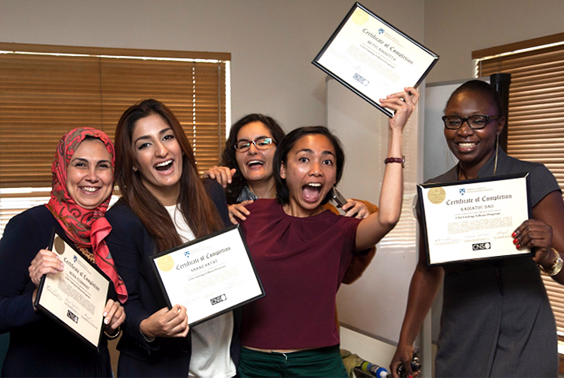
436	195
359	16
165	263
59	245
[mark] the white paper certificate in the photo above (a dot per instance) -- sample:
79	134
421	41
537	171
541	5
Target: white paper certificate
373	58
209	276
473	220
77	295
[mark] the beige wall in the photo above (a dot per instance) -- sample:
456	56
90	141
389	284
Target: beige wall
272	42
455	28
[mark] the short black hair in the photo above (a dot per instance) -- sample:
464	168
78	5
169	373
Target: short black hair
482	88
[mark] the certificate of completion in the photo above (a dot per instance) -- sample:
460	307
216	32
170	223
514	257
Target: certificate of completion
76	297
372	58
474	219
209	276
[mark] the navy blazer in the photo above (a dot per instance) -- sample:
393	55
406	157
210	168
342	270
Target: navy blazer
131	246
39	346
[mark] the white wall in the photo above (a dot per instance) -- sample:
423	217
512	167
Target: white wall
272	42
455	28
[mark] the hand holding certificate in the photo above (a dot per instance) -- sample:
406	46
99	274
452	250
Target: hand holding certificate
372	58
209	276
473	220
75	296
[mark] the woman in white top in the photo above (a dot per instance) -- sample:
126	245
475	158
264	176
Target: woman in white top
164	204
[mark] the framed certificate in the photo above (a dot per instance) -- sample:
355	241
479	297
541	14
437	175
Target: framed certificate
75	297
373	58
474	219
209	276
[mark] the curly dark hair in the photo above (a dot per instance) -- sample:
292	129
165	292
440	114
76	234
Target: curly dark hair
282	191
228	157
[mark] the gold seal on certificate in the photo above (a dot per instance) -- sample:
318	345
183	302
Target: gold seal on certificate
373	58
75	297
209	276
474	219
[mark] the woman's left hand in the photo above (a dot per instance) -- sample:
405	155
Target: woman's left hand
403	104
114	316
536	235
356	209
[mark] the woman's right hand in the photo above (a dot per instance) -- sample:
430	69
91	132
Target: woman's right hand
44	262
239	210
223	175
403	356
166	323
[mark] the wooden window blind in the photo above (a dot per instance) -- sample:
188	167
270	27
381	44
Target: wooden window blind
48	90
536	114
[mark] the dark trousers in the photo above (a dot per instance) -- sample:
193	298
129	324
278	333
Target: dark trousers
322	362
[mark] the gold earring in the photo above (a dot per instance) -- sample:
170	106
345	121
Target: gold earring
134	169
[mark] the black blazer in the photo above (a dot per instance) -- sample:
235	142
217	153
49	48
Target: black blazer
39	346
131	246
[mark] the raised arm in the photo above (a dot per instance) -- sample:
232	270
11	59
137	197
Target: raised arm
373	228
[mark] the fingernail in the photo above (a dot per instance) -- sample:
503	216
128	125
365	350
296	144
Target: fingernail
515	241
514	234
518	246
106	321
105	314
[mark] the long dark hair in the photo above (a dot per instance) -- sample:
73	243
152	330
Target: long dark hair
196	206
282	192
228	157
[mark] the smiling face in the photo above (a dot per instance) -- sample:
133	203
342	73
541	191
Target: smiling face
90	175
158	157
472	147
255	165
310	171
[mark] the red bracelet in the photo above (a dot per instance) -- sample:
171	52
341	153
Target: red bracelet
400	160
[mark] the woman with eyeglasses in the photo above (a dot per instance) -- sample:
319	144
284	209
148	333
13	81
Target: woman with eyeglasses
246	170
496	317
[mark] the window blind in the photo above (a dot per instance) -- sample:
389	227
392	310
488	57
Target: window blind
48	90
536	114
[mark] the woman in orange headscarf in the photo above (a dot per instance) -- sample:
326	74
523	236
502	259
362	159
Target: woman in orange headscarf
82	187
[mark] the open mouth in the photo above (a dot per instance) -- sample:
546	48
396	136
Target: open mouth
255	163
90	189
164	166
312	191
466	144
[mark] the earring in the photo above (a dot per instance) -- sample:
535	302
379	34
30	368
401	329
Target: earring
134	169
496	150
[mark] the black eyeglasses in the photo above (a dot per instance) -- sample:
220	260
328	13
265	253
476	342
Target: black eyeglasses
260	144
477	121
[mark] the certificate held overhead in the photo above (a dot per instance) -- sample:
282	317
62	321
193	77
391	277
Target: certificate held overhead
373	58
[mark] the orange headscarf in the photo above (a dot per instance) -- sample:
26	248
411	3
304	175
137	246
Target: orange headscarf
86	228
